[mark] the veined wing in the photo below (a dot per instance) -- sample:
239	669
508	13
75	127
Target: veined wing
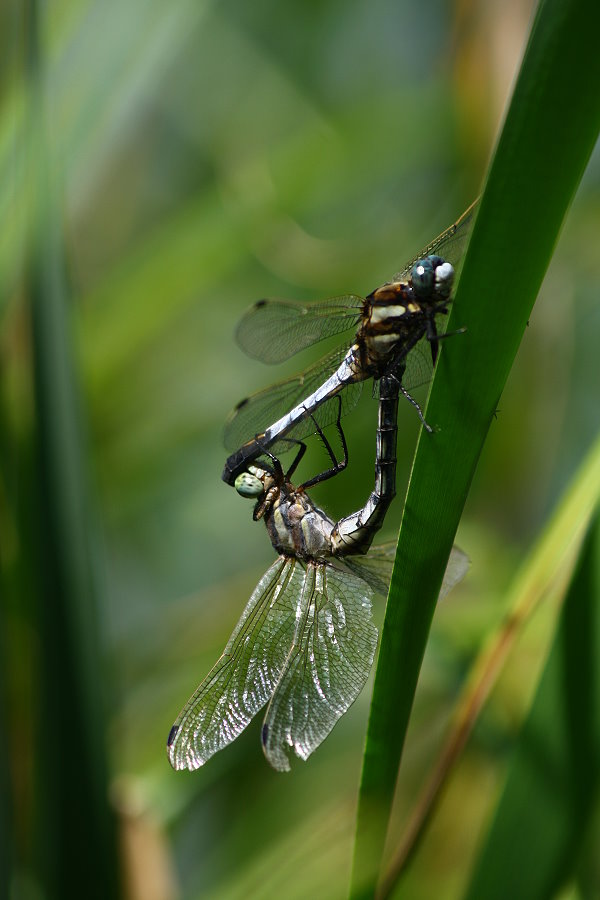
327	666
457	568
418	361
450	244
323	416
256	413
274	330
376	567
419	365
245	676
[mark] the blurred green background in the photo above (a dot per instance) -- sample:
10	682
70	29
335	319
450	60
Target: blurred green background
200	156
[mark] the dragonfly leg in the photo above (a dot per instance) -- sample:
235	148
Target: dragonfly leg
266	500
412	400
277	469
433	338
299	455
336	465
446	334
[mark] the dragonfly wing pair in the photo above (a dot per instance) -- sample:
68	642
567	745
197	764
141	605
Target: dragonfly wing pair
244	677
275	330
304	645
327	666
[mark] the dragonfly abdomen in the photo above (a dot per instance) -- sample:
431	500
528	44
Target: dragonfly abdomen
354	533
350	370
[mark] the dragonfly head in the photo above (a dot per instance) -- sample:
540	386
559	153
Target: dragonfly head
250	485
432	275
260	485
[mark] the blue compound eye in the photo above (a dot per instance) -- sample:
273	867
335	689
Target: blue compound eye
423	277
444	278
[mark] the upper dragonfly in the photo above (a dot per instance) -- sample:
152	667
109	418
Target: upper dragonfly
398	327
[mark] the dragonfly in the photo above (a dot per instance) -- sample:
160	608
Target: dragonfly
306	640
397	329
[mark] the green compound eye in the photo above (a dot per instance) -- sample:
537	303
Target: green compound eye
248	485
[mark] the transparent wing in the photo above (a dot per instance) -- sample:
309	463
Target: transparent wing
457	568
418	364
326	668
256	413
245	676
450	244
418	360
324	415
274	330
376	567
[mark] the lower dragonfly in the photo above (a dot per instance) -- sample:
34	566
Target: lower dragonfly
398	329
305	642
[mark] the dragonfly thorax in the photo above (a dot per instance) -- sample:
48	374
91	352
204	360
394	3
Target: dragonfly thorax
297	527
393	318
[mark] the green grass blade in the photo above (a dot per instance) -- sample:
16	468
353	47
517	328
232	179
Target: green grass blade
6	798
531	182
549	798
76	836
546	571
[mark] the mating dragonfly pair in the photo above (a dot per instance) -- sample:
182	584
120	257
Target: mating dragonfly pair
306	640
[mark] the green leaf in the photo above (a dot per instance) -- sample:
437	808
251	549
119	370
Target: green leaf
545	572
74	824
550	794
532	179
